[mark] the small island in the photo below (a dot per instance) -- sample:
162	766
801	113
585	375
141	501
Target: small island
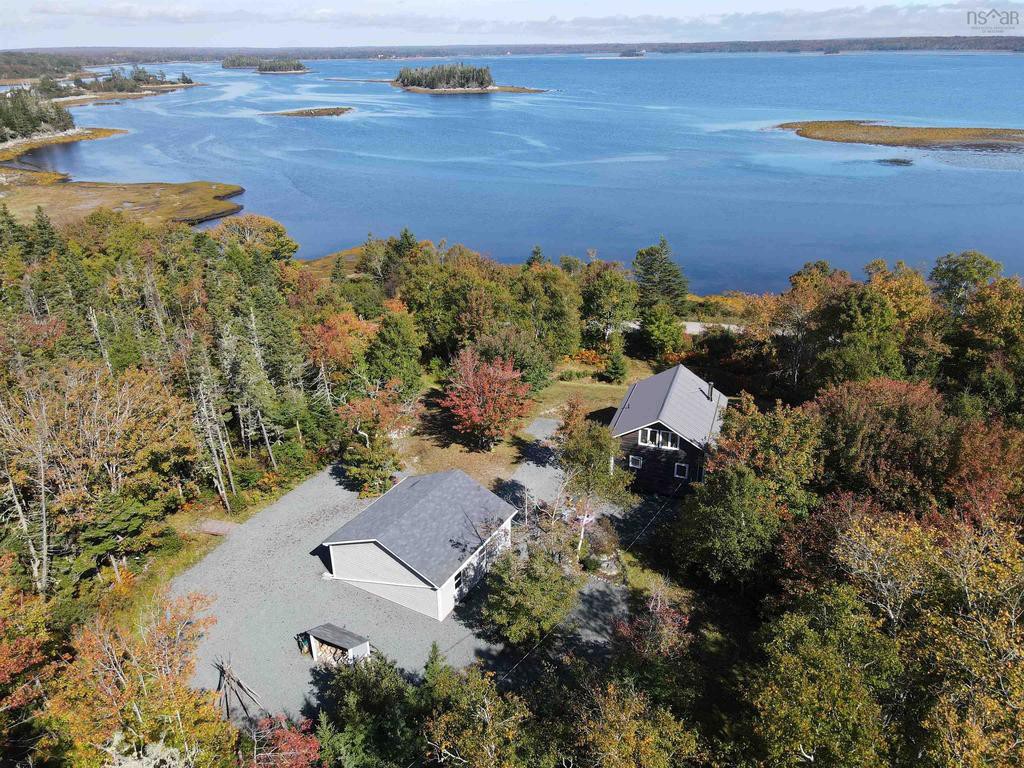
453	79
866	132
312	112
281	67
278	66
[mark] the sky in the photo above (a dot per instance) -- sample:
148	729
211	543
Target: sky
270	23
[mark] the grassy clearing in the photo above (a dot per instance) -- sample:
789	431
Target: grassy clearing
323	266
153	202
433	446
11	150
864	132
642	581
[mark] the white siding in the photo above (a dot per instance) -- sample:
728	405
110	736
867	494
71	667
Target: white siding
369	567
367	561
420	599
473	569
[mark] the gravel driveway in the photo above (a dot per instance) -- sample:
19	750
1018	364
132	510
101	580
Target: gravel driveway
268	587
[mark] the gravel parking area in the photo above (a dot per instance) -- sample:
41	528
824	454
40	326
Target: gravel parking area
268	584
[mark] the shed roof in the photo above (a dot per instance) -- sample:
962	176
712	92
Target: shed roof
431	523
677	398
337	636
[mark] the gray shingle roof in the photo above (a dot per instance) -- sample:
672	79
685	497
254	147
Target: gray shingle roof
678	398
336	636
432	523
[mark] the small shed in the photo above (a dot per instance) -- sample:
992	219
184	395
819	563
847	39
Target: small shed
334	645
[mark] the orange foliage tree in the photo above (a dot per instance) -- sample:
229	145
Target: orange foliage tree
23	659
128	689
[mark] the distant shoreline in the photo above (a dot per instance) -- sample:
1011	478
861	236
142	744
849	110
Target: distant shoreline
110	97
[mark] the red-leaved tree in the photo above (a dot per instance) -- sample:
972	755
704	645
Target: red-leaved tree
280	743
486	399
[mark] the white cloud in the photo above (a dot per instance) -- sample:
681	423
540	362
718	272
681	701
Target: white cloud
892	20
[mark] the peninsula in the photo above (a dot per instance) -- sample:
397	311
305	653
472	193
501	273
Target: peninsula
453	79
92	87
24	188
866	132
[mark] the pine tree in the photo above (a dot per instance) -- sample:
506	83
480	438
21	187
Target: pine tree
394	353
659	278
615	369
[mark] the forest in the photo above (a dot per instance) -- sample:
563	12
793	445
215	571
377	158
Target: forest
444	76
24	113
239	61
845	588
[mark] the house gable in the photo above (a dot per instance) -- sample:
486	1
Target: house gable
370	561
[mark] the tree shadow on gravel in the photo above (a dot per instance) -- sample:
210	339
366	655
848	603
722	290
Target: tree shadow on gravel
536	452
435	423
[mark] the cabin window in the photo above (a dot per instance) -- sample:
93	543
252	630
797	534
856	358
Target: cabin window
682	471
635	462
659	438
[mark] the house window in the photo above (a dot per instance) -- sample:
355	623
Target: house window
682	471
635	462
659	438
458	582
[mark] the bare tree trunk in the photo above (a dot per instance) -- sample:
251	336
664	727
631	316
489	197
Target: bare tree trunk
99	339
266	438
44	545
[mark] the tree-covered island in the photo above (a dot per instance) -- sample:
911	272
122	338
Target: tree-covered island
452	78
262	64
280	66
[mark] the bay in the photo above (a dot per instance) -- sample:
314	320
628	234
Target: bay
614	154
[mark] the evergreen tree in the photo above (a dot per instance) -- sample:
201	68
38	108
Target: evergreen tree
394	353
659	279
615	368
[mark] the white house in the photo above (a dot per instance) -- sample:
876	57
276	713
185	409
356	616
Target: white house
424	543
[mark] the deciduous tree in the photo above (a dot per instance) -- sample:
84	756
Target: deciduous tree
728	526
821	695
486	399
128	689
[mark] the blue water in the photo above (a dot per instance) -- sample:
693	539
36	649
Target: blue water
618	152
